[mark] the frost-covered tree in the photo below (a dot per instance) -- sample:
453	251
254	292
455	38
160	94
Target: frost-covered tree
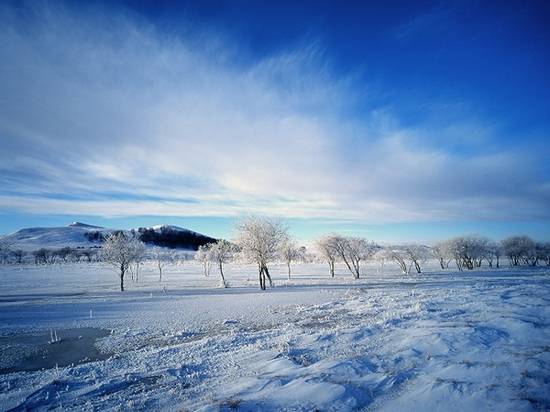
543	252
520	249
327	250
5	250
162	256
89	254
63	253
493	253
120	251
290	252
416	254
222	252
469	251
202	255
139	256
18	255
394	254
353	250
260	241
442	251
43	256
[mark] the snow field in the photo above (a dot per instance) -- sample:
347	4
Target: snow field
439	341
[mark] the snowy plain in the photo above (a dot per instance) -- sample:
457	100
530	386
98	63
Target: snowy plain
441	340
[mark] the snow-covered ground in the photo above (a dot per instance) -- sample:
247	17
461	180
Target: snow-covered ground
442	340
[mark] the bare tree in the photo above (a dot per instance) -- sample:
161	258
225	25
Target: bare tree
493	253
88	254
120	251
18	255
139	256
5	250
543	252
395	254
64	253
353	250
222	252
202	255
417	254
520	249
260	240
442	251
162	256
326	248
43	256
469	251
290	252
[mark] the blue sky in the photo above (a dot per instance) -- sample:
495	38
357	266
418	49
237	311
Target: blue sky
391	120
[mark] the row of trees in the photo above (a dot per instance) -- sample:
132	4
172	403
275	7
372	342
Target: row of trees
9	255
470	251
262	241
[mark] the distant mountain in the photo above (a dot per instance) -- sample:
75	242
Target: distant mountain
82	235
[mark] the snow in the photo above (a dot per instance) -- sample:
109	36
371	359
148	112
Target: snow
438	341
72	235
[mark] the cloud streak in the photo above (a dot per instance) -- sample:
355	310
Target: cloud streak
103	103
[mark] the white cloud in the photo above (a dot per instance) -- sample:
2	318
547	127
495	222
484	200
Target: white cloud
102	103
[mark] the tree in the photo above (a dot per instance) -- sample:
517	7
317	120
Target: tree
64	253
543	252
469	251
120	251
222	252
260	241
417	254
493	252
395	254
139	254
326	248
442	251
352	250
290	252
520	249
42	256
5	250
162	256
202	255
18	255
88	254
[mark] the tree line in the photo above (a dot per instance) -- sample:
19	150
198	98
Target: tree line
264	241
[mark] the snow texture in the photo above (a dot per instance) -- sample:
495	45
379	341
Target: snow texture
433	342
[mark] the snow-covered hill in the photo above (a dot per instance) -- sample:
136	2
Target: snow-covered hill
79	234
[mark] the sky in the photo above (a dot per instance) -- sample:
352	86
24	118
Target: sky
393	120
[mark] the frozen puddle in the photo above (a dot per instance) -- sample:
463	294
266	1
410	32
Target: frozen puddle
33	352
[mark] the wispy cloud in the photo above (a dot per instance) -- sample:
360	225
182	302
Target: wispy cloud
102	114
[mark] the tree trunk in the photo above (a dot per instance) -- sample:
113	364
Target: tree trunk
268	277
160	273
331	265
221	273
262	278
288	265
122	278
357	270
348	265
